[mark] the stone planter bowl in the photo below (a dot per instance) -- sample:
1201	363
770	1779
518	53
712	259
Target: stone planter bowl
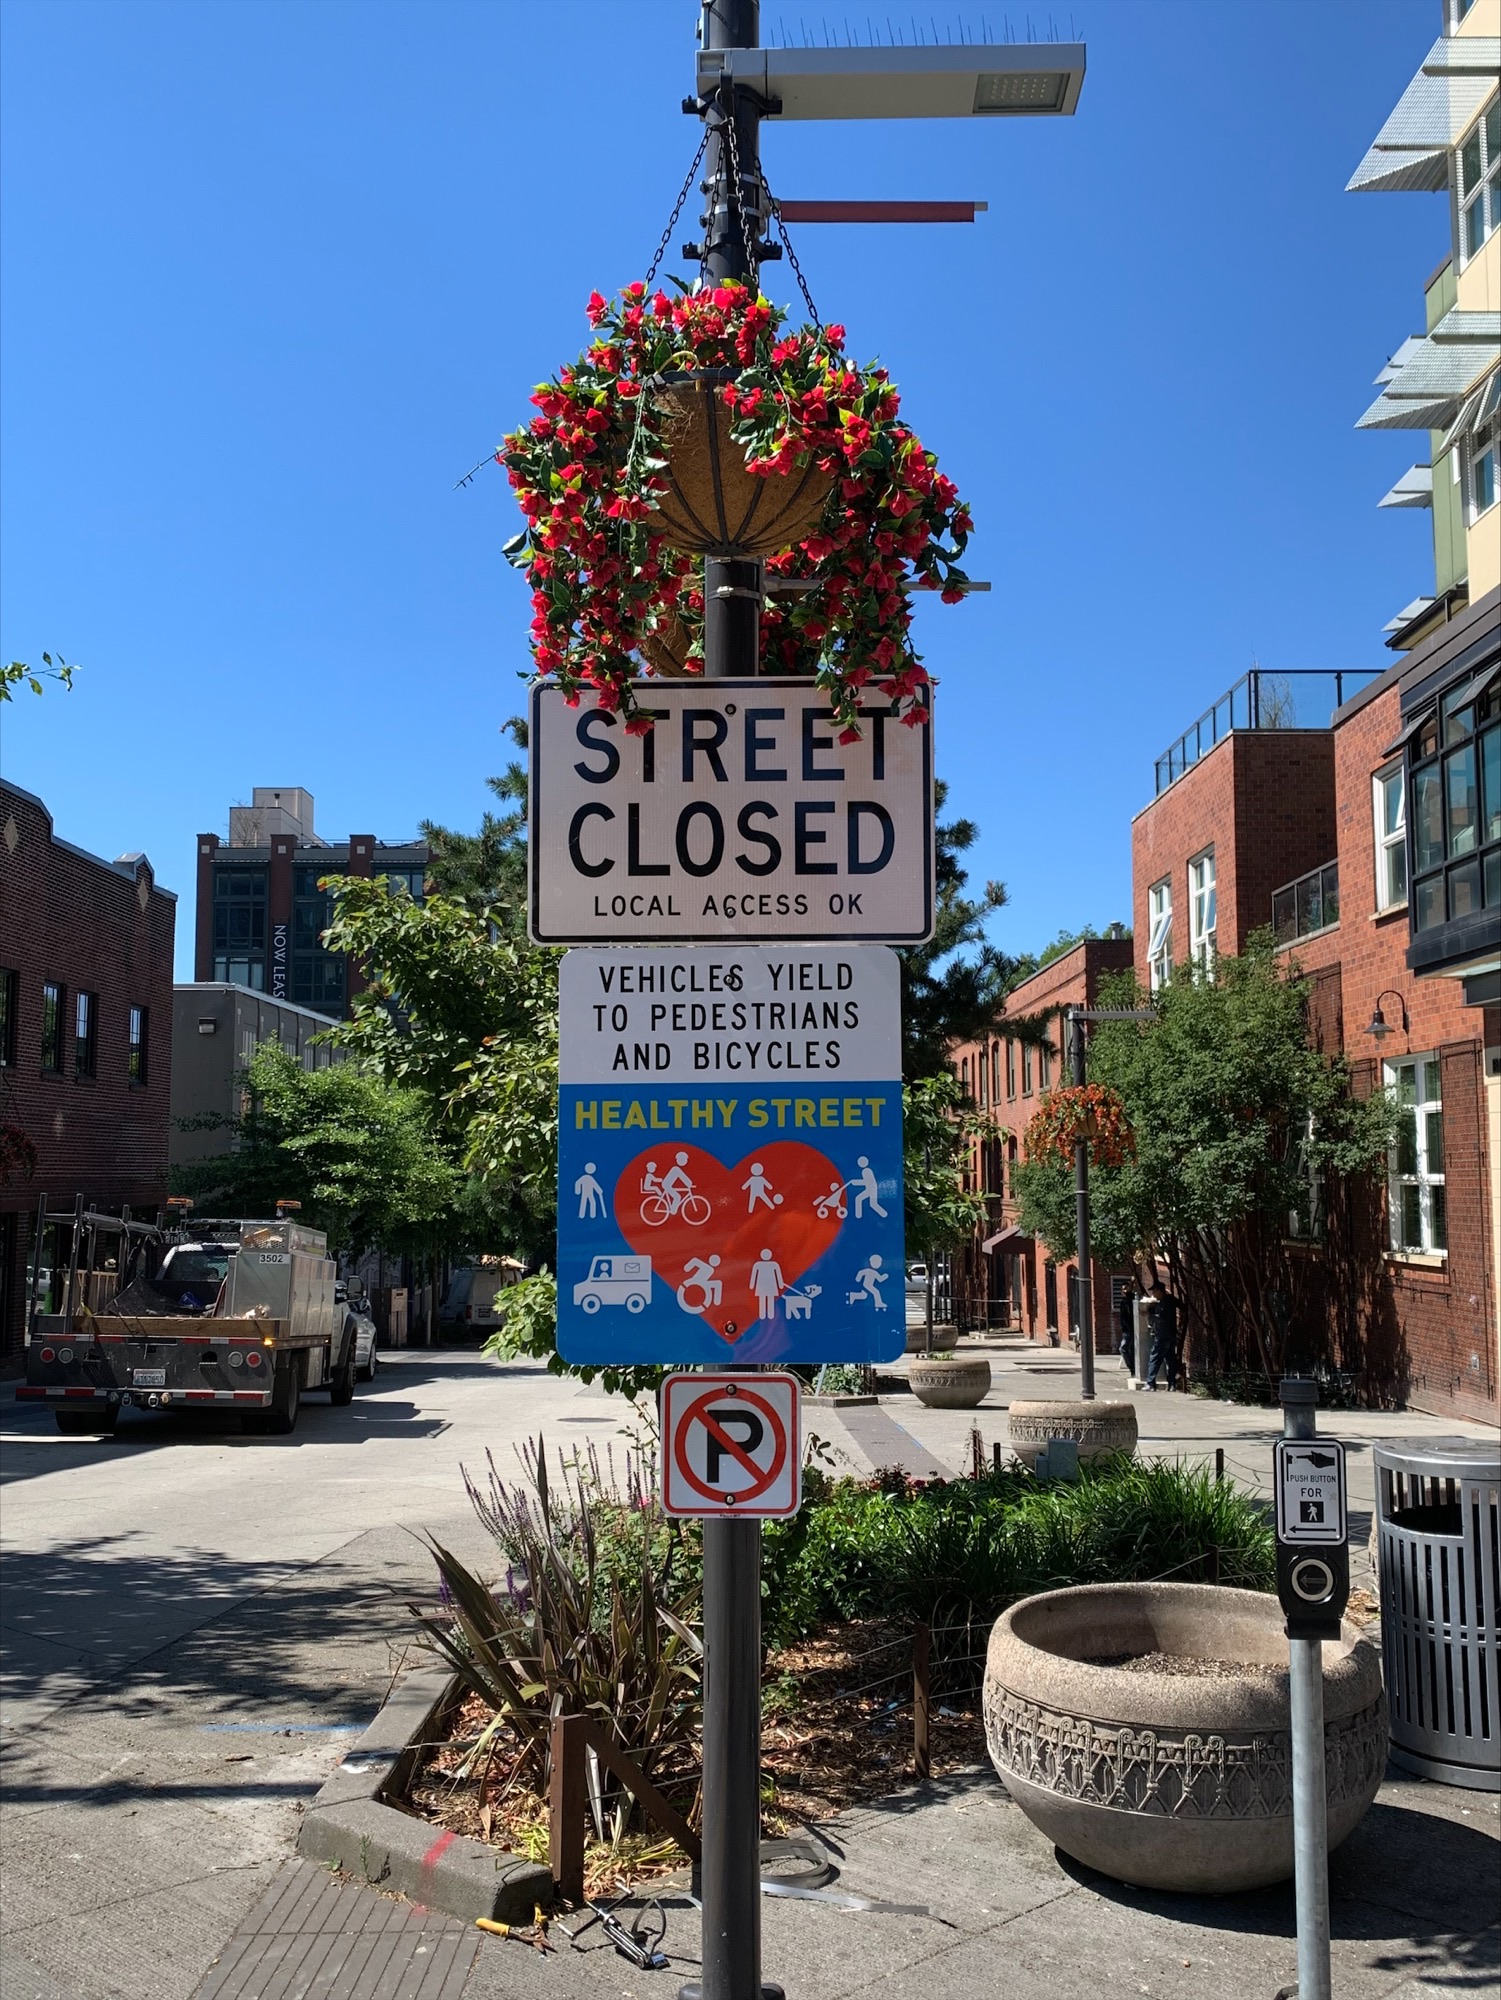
1097	1428
945	1339
949	1385
1171	1781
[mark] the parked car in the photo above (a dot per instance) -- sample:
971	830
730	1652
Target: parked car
357	1316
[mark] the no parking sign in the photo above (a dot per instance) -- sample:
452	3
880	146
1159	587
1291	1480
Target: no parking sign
731	1444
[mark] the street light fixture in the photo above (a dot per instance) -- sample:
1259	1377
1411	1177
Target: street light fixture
1378	1025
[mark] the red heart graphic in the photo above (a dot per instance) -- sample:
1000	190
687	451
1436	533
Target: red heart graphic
682	1208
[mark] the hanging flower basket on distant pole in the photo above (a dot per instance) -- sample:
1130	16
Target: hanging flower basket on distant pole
1092	1113
699	426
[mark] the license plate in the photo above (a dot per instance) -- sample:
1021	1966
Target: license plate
148	1378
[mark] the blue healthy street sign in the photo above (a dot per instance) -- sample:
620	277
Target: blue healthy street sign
730	1157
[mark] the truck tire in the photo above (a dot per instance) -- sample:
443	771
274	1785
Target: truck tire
341	1388
280	1420
86	1423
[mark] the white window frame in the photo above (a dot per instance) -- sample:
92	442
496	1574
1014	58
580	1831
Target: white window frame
1160	932
1390	845
1416	1200
1482	453
1486	131
1203	900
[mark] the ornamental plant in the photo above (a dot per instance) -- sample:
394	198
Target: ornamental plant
1092	1112
588	466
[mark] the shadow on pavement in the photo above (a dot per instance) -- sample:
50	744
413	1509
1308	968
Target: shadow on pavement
1403	1875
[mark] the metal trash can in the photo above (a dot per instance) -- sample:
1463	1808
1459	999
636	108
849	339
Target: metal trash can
1438	1523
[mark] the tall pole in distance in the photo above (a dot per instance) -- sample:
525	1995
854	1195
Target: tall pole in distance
1081	1217
730	1873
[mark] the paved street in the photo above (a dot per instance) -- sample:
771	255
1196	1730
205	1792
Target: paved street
195	1621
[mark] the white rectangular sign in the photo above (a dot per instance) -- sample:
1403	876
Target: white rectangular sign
741	1015
732	1444
1310	1483
738	816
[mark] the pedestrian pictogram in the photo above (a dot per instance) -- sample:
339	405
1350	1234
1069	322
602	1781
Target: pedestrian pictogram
731	1444
1310	1483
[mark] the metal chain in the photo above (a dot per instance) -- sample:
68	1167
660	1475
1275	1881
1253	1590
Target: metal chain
737	192
672	220
797	270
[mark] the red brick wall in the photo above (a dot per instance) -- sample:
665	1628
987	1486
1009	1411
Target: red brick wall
1264	800
69	917
1070	981
1442	1313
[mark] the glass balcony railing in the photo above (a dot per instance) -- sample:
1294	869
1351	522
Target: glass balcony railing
1302	698
1310	904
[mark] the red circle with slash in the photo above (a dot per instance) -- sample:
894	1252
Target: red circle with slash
697	1412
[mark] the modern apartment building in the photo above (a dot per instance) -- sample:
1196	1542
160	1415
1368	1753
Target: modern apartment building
261	911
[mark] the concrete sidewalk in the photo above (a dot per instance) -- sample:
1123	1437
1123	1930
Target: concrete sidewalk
987	1908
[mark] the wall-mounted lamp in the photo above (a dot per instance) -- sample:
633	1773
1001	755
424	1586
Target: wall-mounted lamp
208	1027
1379	1026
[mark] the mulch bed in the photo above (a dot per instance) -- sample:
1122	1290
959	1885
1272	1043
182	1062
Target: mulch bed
836	1731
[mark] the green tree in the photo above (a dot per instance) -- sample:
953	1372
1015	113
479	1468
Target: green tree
467	1017
1236	1115
953	986
359	1155
487	870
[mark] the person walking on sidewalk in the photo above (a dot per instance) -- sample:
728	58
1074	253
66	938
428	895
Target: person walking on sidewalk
1162	1320
1126	1346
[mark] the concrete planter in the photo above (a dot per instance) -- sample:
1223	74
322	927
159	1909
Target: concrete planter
1097	1428
1171	1780
945	1339
949	1385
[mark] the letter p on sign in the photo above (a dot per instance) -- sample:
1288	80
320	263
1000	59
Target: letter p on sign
732	1445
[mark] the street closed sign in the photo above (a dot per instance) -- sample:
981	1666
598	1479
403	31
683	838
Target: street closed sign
738	815
731	1445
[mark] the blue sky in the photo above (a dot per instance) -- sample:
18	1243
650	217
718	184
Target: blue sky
276	275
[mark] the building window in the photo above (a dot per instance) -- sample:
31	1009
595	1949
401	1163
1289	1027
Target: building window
995	1072
53	1001
1045	1067
412	880
10	993
1481	453
240	927
1457	11
1455	809
1418	1218
1391	838
1203	905
1010	1067
138	1046
317	975
1026	1069
85	1033
1160	933
1478	168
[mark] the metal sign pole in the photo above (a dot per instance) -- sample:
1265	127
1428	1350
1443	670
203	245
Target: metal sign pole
1081	1220
730	1874
1310	1805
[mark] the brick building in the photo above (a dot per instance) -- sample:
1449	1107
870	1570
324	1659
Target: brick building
1005	1278
261	913
85	1036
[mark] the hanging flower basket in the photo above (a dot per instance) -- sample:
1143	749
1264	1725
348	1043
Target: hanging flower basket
709	501
1090	1112
700	425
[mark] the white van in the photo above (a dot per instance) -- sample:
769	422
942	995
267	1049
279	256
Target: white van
474	1302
